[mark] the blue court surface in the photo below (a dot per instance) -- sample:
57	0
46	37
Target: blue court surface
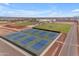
33	40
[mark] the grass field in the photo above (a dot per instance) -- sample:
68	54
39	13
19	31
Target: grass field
26	23
55	27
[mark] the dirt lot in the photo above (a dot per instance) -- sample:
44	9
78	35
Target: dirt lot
56	47
5	31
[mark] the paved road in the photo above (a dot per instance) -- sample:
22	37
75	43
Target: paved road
69	48
7	49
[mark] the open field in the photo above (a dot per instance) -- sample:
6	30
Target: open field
55	27
23	23
19	25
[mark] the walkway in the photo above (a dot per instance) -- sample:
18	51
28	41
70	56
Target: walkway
69	48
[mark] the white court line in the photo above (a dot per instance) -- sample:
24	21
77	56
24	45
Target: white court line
50	45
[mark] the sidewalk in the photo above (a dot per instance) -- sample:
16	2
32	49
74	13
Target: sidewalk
69	48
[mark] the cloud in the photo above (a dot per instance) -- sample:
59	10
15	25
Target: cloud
6	11
4	4
75	10
7	4
33	13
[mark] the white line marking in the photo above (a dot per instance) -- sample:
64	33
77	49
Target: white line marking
50	45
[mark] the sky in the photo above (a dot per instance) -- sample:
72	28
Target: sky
39	9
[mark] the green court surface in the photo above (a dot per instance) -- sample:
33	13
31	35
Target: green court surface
34	40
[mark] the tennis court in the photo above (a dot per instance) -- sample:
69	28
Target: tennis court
34	41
